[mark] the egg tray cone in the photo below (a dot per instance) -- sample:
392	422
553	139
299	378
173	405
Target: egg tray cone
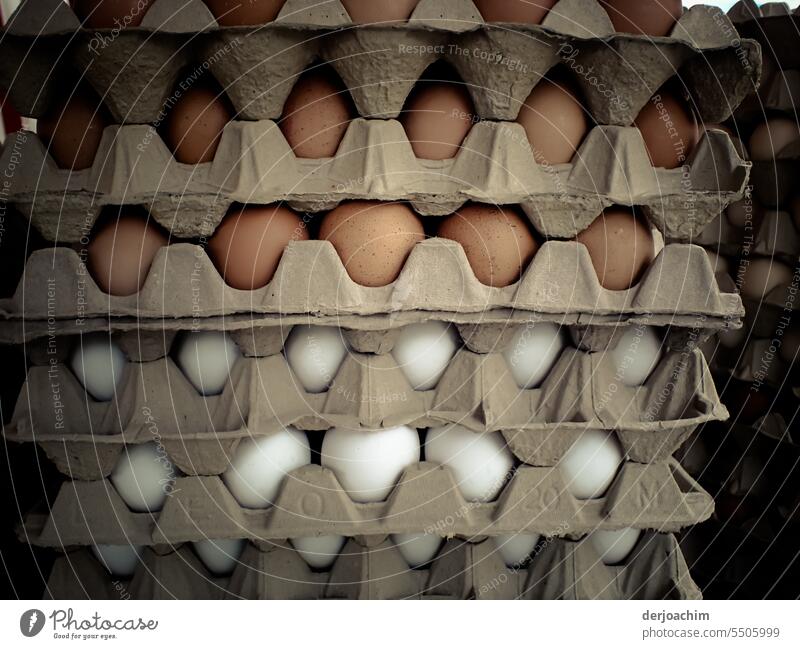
255	164
135	70
200	434
311	501
678	288
559	569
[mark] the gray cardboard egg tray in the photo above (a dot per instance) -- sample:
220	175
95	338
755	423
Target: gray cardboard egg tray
379	64
559	569
201	434
754	361
311	502
678	289
772	24
255	164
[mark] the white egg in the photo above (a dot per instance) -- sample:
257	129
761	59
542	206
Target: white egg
261	463
533	351
315	354
220	556
515	549
206	358
417	548
423	352
636	355
591	463
481	462
119	560
319	552
368	463
613	547
143	476
99	364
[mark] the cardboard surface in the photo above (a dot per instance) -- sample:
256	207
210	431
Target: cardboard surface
254	164
311	502
381	64
559	569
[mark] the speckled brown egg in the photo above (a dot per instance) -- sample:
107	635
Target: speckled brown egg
249	243
372	238
650	17
669	130
621	248
108	14
554	122
72	132
514	11
316	115
770	137
497	241
379	11
195	123
244	12
121	252
437	118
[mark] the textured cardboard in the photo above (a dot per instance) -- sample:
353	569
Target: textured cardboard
679	287
559	569
381	64
311	502
255	164
774	235
201	433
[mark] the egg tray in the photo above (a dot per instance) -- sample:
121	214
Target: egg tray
752	362
85	438
375	161
677	289
773	25
311	502
136	70
559	569
774	236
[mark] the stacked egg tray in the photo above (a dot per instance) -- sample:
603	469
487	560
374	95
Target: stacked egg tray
679	292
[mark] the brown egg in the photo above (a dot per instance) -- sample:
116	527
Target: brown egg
762	276
669	130
316	115
770	137
497	241
437	118
745	213
650	17
248	244
73	132
554	121
121	252
195	123
379	11
244	12
621	248
514	11
108	14
373	239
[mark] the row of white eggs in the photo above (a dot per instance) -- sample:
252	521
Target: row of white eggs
221	556
315	353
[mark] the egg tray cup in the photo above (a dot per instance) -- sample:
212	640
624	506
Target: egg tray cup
255	164
678	288
775	237
559	569
136	70
85	438
311	502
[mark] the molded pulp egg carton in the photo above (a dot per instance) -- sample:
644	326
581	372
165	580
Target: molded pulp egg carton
679	287
559	569
756	360
201	434
375	161
311	502
136	69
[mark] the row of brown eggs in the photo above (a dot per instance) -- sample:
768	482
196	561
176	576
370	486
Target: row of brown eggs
373	240
651	17
437	117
